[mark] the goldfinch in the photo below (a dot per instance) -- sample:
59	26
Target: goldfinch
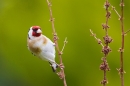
41	46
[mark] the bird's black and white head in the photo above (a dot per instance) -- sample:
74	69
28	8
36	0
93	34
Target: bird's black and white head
34	31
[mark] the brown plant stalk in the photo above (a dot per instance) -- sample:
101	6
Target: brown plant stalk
61	74
121	71
123	33
105	48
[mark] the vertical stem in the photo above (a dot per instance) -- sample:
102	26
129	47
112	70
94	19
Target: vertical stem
122	47
106	44
121	70
54	31
107	17
104	78
55	41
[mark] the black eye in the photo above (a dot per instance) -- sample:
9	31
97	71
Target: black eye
34	30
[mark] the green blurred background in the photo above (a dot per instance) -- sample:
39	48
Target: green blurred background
82	55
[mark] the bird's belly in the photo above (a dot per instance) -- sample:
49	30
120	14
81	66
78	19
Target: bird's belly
45	55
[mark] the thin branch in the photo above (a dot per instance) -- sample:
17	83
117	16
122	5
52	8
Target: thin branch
61	74
106	49
65	42
116	11
122	44
127	31
98	40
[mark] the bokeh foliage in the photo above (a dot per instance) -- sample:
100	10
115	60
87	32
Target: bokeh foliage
82	55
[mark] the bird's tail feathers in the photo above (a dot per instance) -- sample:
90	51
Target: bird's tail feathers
54	66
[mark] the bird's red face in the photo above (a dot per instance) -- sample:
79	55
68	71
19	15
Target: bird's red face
36	31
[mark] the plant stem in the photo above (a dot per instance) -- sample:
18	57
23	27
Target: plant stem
107	4
122	47
55	38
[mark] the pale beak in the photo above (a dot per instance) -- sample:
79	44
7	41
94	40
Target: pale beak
39	31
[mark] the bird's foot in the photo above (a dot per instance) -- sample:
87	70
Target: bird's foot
61	66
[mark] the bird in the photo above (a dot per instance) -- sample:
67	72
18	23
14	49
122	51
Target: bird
41	46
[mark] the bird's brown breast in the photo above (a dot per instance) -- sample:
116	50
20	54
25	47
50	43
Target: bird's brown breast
36	49
44	40
32	48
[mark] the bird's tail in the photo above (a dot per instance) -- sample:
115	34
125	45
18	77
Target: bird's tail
54	66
